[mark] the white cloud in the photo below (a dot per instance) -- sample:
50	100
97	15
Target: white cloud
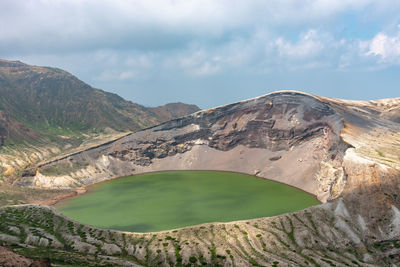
118	40
385	47
309	45
71	25
115	75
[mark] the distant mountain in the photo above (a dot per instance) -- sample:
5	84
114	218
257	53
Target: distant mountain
35	100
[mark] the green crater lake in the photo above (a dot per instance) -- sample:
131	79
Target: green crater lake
172	199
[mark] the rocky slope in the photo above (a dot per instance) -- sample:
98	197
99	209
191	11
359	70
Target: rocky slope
347	153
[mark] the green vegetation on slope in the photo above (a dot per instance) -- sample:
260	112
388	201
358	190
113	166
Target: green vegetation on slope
173	199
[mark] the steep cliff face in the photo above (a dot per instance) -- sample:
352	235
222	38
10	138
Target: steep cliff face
372	164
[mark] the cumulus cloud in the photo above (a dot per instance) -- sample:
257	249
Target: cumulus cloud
71	25
260	52
309	45
385	47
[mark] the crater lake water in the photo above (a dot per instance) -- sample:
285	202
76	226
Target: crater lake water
173	199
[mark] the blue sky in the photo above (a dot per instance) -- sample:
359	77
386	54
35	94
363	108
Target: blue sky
211	52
